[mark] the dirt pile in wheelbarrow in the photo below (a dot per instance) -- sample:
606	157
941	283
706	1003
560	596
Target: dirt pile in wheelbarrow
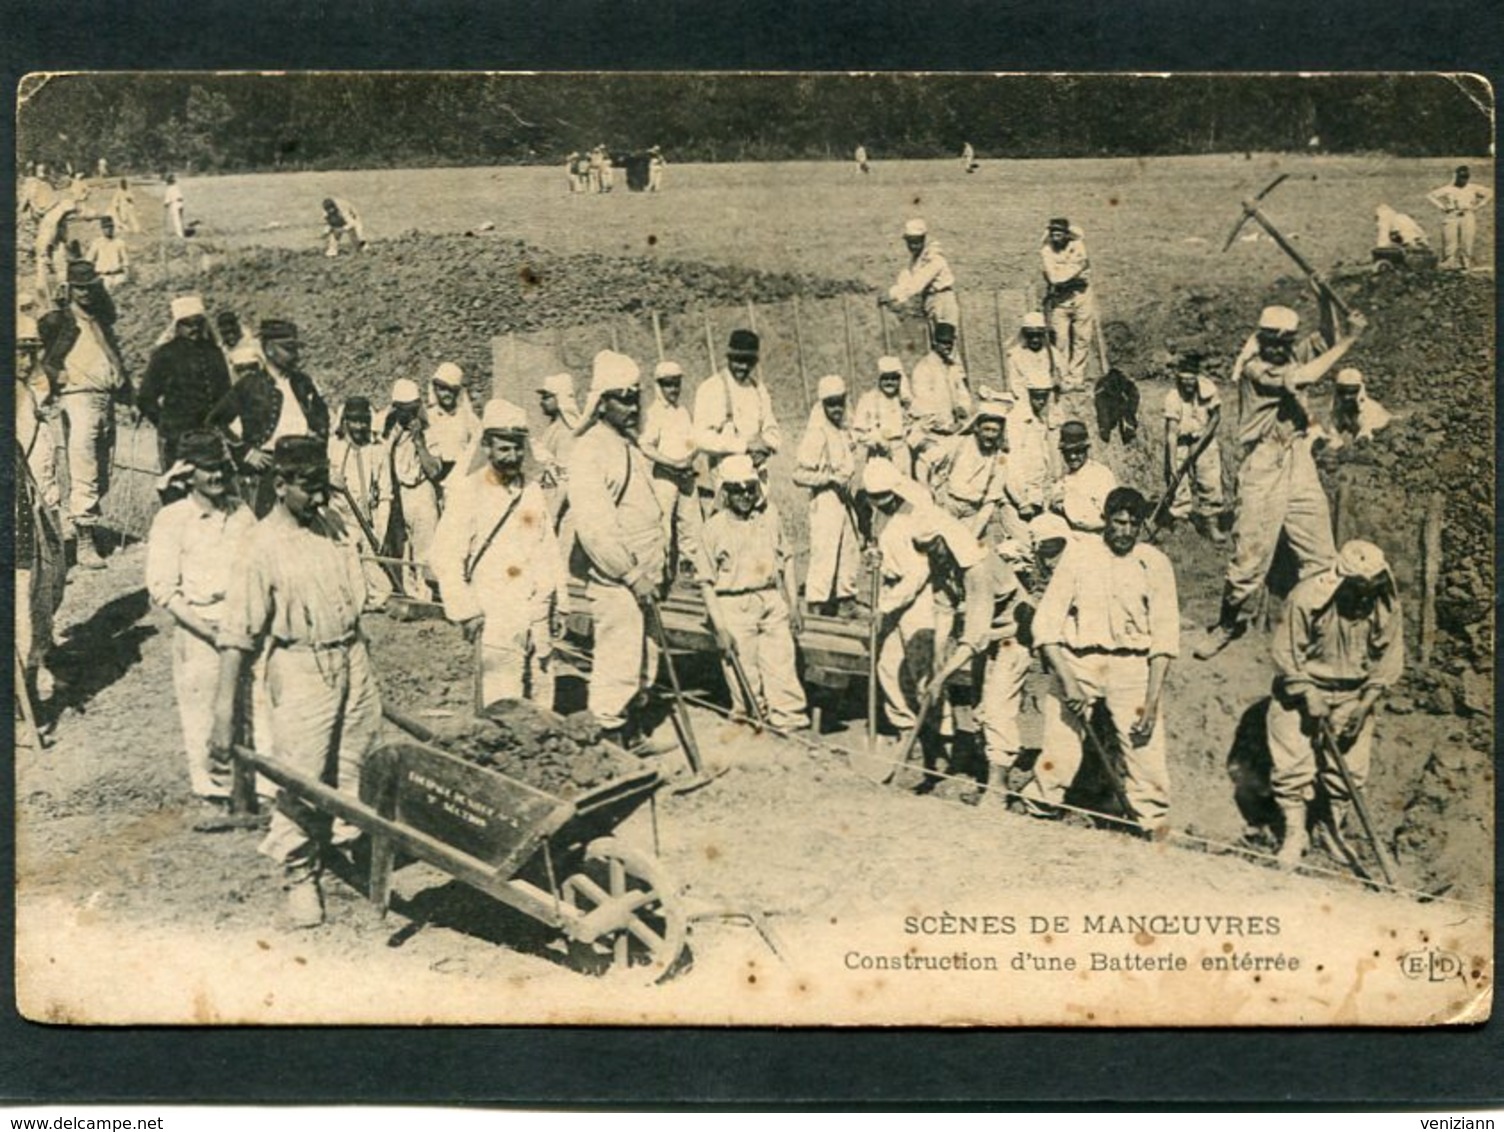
563	755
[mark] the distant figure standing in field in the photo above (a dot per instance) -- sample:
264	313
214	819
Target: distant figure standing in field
1459	203
172	207
109	257
927	277
862	165
341	223
1069	303
123	208
968	159
656	165
571	173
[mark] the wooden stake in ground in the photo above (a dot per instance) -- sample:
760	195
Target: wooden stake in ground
512	355
709	339
1430	565
997	330
809	397
961	338
658	335
615	342
882	322
850	351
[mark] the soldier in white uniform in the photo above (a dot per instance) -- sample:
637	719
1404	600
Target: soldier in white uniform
1356	415
453	428
1030	356
1459	203
942	400
189	554
1193	409
499	566
1033	455
1108	626
1396	230
1279	491
358	465
881	421
971	475
41	565
667	439
1084	483
407	519
733	412
342	223
109	256
1071	306
172	207
296	589
1338	648
746	574
927	277
622	554
825	465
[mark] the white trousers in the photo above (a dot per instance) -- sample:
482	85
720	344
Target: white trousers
195	680
1073	321
325	718
1000	699
90	422
759	626
1122	682
912	636
1278	491
1292	748
624	659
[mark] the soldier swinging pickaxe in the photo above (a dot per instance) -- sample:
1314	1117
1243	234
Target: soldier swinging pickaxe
1251	210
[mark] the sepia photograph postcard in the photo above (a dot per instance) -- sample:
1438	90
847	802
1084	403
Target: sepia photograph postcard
738	549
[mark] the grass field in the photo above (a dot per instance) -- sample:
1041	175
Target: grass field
1150	223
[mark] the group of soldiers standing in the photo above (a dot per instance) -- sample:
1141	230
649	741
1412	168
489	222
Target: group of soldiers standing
997	543
595	170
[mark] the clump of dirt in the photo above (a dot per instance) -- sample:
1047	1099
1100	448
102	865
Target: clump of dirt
425	671
560	754
391	312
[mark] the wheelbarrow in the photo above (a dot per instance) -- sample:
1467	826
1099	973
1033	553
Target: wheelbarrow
552	858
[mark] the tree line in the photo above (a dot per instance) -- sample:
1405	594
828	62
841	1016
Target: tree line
221	123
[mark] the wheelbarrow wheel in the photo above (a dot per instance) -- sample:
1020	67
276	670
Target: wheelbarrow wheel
634	918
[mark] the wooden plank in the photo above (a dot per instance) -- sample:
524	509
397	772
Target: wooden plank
1430	573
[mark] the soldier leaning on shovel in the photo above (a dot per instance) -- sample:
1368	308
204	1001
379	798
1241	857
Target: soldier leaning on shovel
1338	649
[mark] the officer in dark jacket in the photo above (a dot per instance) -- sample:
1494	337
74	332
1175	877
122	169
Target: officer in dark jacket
185	378
271	399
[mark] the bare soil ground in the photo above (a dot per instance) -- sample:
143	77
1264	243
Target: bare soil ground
112	876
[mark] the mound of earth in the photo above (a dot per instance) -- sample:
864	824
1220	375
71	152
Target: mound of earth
405	303
558	754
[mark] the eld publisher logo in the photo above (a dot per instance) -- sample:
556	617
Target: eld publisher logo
1433	965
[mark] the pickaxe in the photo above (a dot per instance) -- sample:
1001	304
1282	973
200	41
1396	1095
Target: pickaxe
1251	210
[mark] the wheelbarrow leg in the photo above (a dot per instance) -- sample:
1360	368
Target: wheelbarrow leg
383	856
